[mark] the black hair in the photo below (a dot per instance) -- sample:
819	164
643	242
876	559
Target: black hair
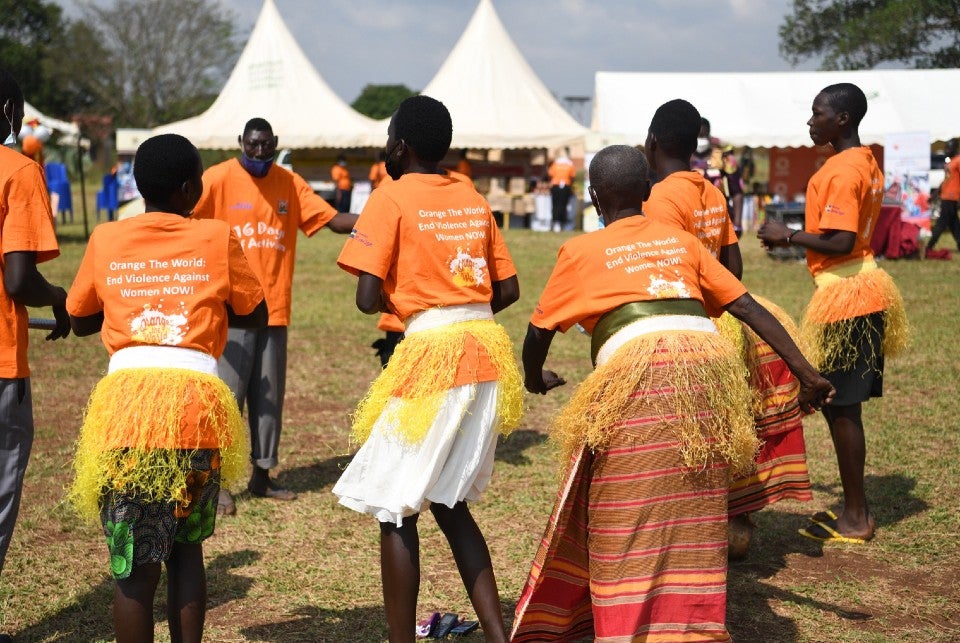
619	170
162	164
676	126
424	124
257	125
847	97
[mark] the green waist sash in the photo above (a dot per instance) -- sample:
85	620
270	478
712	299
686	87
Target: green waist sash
626	314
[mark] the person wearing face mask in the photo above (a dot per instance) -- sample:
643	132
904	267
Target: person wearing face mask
27	238
265	205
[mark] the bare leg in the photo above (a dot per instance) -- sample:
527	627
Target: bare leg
133	604
400	575
473	561
186	593
846	429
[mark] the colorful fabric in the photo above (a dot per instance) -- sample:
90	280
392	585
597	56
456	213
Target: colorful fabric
265	213
845	293
139	532
432	239
161	279
636	546
845	194
26	225
687	201
632	259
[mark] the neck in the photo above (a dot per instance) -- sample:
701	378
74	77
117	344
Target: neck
164	207
624	213
845	142
420	167
669	165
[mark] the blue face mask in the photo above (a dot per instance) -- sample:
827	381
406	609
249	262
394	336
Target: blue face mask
256	167
11	140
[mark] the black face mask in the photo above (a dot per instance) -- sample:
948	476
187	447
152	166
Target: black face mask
393	164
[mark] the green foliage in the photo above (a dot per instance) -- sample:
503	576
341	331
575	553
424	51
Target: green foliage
861	34
381	101
30	31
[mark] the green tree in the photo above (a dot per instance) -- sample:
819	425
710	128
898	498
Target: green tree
148	62
861	34
381	101
30	31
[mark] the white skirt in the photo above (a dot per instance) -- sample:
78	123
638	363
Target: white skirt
391	479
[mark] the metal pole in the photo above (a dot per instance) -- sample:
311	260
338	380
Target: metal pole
83	187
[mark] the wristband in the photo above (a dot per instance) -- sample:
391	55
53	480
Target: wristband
790	237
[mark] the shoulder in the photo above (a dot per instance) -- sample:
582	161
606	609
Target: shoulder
221	170
14	164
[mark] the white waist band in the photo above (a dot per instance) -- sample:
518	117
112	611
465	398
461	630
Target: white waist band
446	315
163	357
647	325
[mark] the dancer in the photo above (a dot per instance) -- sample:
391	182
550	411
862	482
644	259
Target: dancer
856	315
636	546
427	248
162	429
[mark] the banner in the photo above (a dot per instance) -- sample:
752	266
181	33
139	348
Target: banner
906	171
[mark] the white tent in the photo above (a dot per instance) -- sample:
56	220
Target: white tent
62	127
771	109
274	80
494	97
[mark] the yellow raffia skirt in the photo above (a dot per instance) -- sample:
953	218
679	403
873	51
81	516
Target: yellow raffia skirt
422	370
844	293
695	381
140	429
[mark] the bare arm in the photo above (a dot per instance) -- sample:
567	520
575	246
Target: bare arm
536	345
505	293
815	391
732	260
343	223
831	242
370	296
88	325
257	318
25	285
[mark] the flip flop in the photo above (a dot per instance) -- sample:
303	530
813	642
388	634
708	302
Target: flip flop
823	516
225	504
824	533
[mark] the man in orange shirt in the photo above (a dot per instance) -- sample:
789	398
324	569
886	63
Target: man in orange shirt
162	429
341	176
949	195
636	547
428	249
561	173
378	171
856	315
265	205
26	239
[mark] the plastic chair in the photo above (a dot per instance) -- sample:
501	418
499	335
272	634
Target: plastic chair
58	182
107	197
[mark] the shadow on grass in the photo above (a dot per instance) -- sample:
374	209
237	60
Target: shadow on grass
89	617
325	473
891	497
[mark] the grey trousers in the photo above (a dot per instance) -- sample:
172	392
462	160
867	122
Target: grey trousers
254	366
16	440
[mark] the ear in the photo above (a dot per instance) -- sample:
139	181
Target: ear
843	119
240	140
276	139
593	198
645	190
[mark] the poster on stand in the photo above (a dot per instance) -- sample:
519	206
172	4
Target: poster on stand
906	172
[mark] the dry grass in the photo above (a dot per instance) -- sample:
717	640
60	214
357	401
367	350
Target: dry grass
308	571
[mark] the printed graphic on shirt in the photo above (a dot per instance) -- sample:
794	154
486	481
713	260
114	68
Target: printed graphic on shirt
468	270
157	277
661	288
153	326
261	234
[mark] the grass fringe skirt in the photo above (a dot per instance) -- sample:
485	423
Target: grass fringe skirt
695	379
424	368
142	426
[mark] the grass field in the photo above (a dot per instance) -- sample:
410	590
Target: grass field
308	570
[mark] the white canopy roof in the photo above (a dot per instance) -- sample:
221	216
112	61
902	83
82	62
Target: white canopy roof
274	80
771	109
63	127
494	97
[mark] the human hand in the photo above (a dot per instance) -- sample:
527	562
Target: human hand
774	233
62	329
815	393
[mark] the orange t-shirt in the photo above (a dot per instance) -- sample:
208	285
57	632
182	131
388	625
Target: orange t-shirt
845	194
950	188
687	201
433	241
341	176
161	279
377	172
632	259
26	225
265	214
561	173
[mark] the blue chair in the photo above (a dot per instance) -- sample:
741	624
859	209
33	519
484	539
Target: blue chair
58	182
107	197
